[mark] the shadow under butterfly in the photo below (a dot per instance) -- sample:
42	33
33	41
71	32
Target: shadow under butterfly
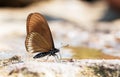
39	37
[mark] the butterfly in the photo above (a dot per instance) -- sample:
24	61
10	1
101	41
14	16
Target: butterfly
39	37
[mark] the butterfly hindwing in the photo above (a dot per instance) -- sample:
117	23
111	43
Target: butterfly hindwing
36	43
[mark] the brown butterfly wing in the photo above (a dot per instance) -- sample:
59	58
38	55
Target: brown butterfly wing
37	23
36	43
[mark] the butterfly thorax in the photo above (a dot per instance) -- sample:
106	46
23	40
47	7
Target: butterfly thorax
53	51
50	53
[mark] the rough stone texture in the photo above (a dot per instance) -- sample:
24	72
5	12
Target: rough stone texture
65	68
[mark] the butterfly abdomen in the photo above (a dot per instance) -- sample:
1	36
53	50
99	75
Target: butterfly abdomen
42	54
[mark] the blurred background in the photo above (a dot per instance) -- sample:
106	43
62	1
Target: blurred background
82	29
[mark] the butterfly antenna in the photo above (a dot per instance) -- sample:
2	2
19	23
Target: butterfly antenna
64	45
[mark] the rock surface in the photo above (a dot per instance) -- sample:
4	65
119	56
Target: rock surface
65	68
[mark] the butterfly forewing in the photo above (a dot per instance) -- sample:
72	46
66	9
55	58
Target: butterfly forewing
39	37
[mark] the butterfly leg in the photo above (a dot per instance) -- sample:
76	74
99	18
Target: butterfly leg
57	59
60	57
47	58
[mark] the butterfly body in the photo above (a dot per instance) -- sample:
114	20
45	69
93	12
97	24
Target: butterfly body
50	53
39	37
